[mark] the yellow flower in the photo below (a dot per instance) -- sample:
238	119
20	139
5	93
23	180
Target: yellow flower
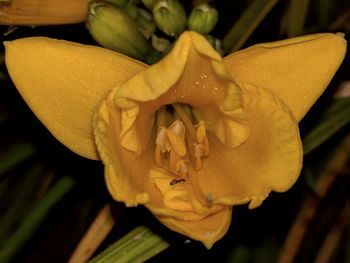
44	12
190	136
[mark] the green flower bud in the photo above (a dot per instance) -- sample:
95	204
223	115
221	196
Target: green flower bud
203	19
119	3
160	44
145	23
131	10
153	57
170	17
112	28
148	3
210	39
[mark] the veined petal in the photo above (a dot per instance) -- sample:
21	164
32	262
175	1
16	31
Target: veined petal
207	230
269	160
297	69
62	82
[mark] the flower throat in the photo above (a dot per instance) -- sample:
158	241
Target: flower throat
181	139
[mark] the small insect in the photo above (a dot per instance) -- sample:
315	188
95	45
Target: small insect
176	181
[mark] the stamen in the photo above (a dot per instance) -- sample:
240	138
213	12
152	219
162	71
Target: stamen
161	113
171	142
174	162
183	167
161	146
177	165
197	115
184	117
176	137
200	148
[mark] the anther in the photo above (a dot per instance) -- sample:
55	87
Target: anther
200	148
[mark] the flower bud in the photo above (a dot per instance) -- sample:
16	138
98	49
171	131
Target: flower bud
203	19
112	28
145	23
170	17
131	10
119	3
160	44
148	3
210	39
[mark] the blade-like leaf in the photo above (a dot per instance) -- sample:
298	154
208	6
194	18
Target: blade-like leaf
20	204
331	121
296	15
16	155
137	246
246	24
94	236
33	219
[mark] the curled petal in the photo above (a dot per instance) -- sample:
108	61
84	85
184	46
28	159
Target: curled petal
125	172
269	160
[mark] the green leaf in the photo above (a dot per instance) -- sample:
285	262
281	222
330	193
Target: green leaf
240	254
296	15
324	11
137	246
246	24
331	121
15	155
321	171
34	218
267	251
20	203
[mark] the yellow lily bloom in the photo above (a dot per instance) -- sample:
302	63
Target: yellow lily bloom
190	136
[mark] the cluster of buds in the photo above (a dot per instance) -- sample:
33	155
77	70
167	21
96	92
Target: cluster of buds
142	29
145	30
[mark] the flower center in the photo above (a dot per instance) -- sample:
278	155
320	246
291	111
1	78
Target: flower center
179	142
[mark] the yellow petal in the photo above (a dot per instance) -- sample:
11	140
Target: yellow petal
270	159
125	172
297	69
207	230
43	12
62	82
192	73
